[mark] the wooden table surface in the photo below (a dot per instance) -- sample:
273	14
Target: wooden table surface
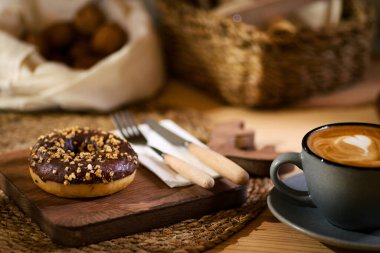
284	128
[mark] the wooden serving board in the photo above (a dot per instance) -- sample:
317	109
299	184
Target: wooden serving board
145	204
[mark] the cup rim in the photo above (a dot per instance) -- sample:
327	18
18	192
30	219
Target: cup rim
309	151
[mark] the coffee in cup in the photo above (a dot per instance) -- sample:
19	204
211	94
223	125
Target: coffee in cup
356	145
341	164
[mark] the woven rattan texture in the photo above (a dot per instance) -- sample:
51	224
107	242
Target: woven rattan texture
19	233
265	68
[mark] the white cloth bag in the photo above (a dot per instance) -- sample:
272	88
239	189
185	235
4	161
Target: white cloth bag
28	82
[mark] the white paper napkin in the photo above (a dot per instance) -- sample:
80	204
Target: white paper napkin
155	163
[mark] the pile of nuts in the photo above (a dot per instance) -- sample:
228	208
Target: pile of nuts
82	42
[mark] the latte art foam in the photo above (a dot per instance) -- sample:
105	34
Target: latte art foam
351	145
358	140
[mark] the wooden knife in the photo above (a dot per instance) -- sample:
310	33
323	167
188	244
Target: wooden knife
224	166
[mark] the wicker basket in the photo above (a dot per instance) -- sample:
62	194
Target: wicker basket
251	67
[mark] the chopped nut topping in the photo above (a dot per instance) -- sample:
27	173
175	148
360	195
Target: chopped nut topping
88	176
98	173
114	141
100	142
72	176
89	166
107	148
66	182
41	149
90	147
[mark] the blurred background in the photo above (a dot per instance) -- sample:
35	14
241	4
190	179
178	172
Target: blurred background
252	53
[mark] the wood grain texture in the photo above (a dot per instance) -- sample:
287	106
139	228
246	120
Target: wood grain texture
268	235
145	204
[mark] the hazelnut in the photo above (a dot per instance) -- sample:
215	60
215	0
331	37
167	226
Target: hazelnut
88	19
59	35
108	38
79	49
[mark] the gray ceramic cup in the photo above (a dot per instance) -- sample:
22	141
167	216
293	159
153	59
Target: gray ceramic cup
348	196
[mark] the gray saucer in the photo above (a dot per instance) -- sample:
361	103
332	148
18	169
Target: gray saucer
309	221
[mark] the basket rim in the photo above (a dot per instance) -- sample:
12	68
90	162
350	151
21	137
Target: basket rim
349	24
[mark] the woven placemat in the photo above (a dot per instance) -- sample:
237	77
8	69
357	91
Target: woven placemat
19	233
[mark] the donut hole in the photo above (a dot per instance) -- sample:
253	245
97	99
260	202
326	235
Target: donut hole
77	145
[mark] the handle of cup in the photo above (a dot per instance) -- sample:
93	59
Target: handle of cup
293	158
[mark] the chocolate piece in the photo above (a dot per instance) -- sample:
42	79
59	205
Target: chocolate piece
82	156
233	141
244	141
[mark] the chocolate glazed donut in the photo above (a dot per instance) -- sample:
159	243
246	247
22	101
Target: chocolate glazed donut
82	162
